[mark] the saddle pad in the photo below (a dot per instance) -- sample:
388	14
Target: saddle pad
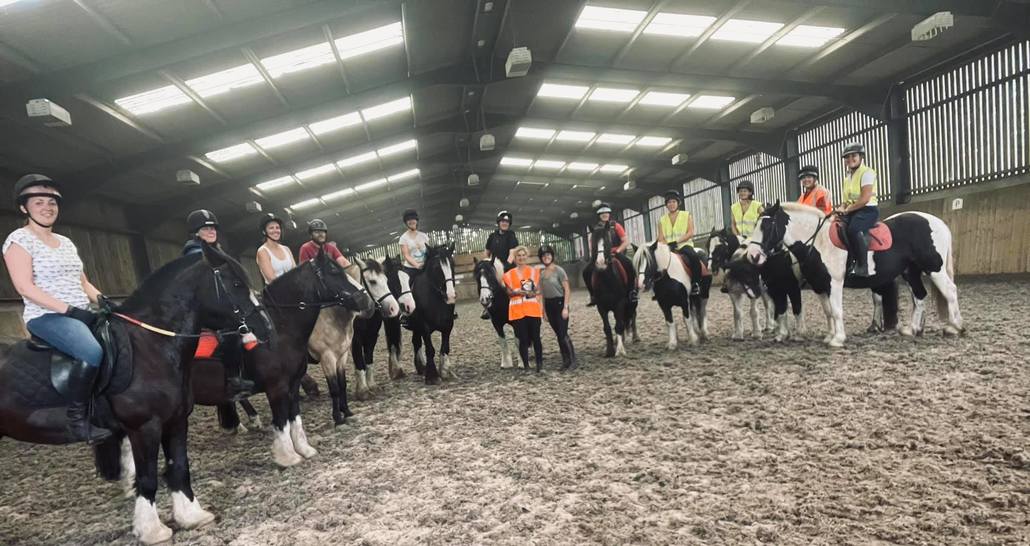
880	237
31	368
705	272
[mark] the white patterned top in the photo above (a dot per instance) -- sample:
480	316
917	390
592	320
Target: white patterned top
56	271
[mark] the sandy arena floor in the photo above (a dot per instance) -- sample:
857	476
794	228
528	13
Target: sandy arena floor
891	440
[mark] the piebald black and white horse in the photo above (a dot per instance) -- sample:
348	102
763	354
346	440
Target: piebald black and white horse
494	298
366	330
664	271
743	281
921	246
612	282
434	294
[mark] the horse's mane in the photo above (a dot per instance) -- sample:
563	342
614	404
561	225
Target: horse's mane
164	276
374	266
798	207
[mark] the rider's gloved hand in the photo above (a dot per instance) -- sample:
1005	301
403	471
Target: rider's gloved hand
104	303
89	318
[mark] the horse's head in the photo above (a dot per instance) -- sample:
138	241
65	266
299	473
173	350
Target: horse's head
226	300
440	269
644	263
373	276
602	251
770	233
400	284
722	244
743	276
333	284
486	273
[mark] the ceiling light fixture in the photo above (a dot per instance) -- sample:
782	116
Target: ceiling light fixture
298	60
575	136
154	100
379	182
401	176
678	24
619	20
533	132
661	98
581	166
340	194
548	164
613	94
619	139
223	81
711	102
744	30
560	91
509	161
231	153
306	204
370	40
282	139
614	168
809	36
398	148
275	183
315	172
653	141
356	160
386	109
335	124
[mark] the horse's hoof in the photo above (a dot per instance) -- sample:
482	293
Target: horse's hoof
147	526
432	380
836	343
609	354
188	514
286	460
255	425
780	339
950	331
307	451
671	346
737	337
397	374
905	331
361	395
238	429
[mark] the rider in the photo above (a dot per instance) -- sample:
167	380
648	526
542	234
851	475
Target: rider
413	244
501	244
814	194
319	231
554	286
619	244
676	228
273	257
203	225
745	212
859	207
46	271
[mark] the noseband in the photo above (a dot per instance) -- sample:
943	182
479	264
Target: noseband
367	290
335	299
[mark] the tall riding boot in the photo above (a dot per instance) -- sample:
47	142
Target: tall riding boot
565	361
573	362
860	248
79	429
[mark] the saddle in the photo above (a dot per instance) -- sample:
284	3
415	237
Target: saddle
880	237
115	369
705	272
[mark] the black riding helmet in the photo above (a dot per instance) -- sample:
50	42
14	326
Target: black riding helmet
603	208
268	219
31	180
673	195
545	249
503	215
747	185
853	148
201	218
809	170
317	225
410	214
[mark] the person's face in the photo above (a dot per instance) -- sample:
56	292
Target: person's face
319	236
743	194
604	217
547	259
208	234
43	209
274	231
809	182
504	225
852	161
520	257
672	205
412	224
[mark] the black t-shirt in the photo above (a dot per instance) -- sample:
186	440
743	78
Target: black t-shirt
499	244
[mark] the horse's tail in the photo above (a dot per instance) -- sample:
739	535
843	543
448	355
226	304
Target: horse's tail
107	457
938	297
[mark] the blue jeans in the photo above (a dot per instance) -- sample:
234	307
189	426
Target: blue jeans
69	336
861	221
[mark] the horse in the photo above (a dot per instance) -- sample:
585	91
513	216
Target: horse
921	245
494	297
743	283
434	294
612	286
293	301
366	330
662	270
400	285
333	334
143	393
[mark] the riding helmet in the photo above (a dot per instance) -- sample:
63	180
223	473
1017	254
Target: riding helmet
201	218
317	225
268	219
853	148
603	208
545	249
809	170
31	180
504	215
410	214
673	194
747	185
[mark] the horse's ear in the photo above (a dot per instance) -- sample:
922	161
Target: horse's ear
213	256
653	245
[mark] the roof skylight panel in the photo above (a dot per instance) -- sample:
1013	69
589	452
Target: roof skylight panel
276	183
582	166
613	94
653	141
744	30
397	148
315	172
401	176
335	124
299	59
154	100
386	109
231	153
356	160
282	139
575	136
661	98
548	164
711	102
533	132
619	20
226	80
509	161
306	204
619	139
339	194
614	168
379	182
370	40
809	36
560	91
678	24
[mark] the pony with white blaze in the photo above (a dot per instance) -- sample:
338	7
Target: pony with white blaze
664	271
742	282
612	286
494	298
920	245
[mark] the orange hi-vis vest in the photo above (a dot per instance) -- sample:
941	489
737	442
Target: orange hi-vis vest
813	197
524	306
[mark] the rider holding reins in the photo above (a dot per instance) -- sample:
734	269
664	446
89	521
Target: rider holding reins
620	242
676	229
859	208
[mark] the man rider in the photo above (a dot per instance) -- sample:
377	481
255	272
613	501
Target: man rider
319	232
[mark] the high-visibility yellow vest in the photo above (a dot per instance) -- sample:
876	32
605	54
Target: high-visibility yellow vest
674	231
523	306
853	185
746	221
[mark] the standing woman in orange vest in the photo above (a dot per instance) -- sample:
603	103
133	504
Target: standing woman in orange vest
813	194
524	308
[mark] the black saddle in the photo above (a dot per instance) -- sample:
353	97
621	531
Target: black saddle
115	369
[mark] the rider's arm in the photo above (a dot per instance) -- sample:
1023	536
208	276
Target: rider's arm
406	252
19	266
621	232
863	200
567	291
264	262
690	230
91	291
661	234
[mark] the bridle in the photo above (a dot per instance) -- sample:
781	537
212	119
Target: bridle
364	283
781	247
440	258
335	298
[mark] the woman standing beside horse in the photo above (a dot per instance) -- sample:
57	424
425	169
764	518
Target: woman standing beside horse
554	285
524	309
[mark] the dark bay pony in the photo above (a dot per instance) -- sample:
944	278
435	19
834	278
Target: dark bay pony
147	398
921	246
612	285
662	270
494	297
434	294
293	301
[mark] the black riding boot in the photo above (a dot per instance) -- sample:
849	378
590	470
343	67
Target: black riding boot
860	249
236	387
79	428
573	362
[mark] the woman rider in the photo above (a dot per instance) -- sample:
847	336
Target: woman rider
204	226
812	193
413	244
524	310
620	242
273	257
501	245
554	285
745	212
859	208
676	228
46	271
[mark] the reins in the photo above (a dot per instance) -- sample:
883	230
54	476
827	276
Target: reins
337	299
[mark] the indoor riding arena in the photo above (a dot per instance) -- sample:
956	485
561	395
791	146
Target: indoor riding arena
298	272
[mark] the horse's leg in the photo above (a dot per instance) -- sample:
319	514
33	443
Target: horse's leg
670	325
794	294
701	312
146	447
393	347
432	373
253	419
418	351
877	325
284	451
369	348
186	509
609	348
502	340
229	418
824	300
756	325
445	355
128	463
330	365
688	322
947	302
620	329
297	432
360	375
918	290
771	307
341	378
837	309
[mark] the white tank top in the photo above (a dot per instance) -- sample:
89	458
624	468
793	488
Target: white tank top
278	266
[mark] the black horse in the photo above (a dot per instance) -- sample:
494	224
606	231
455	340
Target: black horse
612	281
144	392
293	301
494	298
433	290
